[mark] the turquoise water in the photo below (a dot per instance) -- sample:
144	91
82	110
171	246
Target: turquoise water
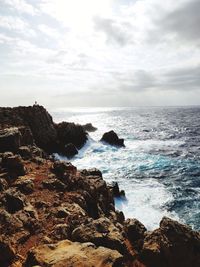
159	168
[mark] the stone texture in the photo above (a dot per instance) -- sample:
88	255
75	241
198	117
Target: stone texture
73	254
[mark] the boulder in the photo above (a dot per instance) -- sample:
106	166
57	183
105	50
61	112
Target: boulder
9	223
61	232
7	253
114	188
112	139
60	168
73	254
88	127
70	150
13	201
71	133
101	232
3	185
54	184
10	139
25	152
173	244
91	172
13	164
135	232
24	184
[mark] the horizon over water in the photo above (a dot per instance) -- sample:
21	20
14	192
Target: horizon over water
159	168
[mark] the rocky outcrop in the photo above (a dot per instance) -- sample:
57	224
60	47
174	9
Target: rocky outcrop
112	139
173	244
88	127
70	133
22	126
67	253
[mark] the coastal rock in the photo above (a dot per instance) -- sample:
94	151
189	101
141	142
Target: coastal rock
91	172
173	244
101	232
13	201
67	253
3	185
10	139
60	168
112	139
41	124
13	164
114	188
71	133
9	223
54	184
25	152
7	253
88	127
135	232
70	150
24	184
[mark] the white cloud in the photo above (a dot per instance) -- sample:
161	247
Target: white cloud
113	51
21	6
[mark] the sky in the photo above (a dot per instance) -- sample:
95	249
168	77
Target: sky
96	53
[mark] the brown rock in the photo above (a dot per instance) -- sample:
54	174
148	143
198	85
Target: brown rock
173	244
10	139
101	232
13	164
135	231
7	253
67	253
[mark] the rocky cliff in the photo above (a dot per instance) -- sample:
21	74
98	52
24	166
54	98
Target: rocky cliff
52	214
45	133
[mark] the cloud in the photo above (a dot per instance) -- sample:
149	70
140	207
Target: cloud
181	24
50	31
116	32
16	25
20	5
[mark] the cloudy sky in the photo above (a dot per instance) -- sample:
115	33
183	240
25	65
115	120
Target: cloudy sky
99	52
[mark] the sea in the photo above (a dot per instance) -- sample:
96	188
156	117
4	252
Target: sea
159	168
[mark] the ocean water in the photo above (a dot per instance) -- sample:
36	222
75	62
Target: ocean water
159	168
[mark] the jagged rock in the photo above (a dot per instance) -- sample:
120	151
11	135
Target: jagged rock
101	232
61	232
26	136
91	172
10	139
60	168
38	160
13	201
25	152
37	152
7	253
25	184
13	164
70	150
3	185
54	184
173	244
71	133
112	139
9	223
67	253
114	187
135	231
88	127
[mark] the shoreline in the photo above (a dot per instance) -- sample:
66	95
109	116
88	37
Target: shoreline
50	204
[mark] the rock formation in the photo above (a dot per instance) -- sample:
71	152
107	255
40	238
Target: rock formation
33	125
112	139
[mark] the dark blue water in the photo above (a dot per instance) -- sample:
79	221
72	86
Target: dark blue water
160	166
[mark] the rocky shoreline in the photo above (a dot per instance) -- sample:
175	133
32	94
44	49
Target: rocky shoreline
52	214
